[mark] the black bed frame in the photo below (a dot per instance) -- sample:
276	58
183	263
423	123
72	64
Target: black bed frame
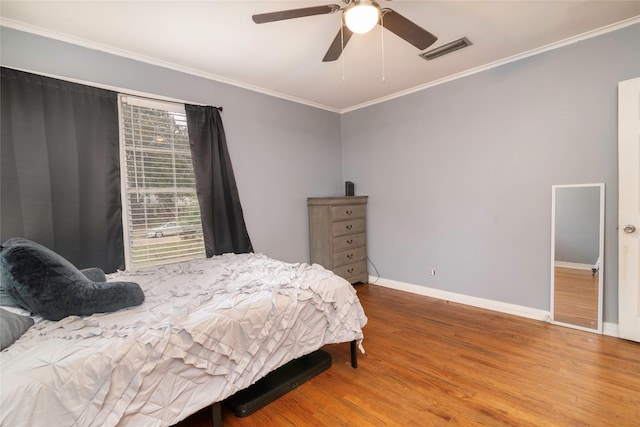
216	408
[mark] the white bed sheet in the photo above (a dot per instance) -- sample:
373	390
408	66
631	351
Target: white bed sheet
207	329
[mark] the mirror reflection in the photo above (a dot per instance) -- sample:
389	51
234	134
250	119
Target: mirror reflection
577	255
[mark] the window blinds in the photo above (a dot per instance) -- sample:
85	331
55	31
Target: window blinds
162	219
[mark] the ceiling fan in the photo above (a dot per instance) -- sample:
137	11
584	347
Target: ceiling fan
358	16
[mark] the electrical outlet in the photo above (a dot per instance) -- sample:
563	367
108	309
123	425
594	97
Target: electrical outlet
432	272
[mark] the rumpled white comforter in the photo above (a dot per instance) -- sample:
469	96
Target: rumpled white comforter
218	325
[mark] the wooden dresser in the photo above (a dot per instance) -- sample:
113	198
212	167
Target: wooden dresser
337	235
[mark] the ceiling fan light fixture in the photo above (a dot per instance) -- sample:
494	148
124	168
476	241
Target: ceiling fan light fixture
362	16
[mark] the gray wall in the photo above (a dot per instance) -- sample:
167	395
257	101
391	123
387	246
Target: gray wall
459	175
282	152
577	215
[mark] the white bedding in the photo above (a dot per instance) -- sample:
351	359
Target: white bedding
207	329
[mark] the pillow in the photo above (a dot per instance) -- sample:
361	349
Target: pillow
94	274
45	283
5	298
12	326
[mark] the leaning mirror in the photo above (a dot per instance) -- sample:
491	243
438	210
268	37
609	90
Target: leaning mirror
577	255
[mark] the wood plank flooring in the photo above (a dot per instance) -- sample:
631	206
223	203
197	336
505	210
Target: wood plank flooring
434	363
576	297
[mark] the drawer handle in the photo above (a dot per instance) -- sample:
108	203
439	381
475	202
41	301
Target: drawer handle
349	227
350	242
350	255
349	212
350	270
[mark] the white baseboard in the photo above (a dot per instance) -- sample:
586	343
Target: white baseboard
610	329
502	307
574	265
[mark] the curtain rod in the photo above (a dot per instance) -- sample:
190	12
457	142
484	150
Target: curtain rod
111	88
175	101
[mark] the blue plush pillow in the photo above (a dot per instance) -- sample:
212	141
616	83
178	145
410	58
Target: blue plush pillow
94	274
40	280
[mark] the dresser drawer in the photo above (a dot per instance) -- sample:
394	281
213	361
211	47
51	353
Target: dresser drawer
337	239
349	256
353	226
347	212
349	241
351	270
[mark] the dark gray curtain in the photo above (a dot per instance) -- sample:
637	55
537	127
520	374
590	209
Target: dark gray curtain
60	168
222	219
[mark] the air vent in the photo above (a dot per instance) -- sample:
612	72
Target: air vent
446	48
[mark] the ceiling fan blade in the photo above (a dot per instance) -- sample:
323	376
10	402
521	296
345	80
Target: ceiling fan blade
294	13
335	50
409	31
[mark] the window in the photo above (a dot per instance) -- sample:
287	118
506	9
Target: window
161	216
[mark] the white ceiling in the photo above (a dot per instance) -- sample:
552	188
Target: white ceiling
218	39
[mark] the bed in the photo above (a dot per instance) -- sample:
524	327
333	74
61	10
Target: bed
206	329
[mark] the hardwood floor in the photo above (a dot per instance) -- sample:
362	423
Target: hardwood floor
576	297
431	362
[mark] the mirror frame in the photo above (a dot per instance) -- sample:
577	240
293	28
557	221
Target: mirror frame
554	189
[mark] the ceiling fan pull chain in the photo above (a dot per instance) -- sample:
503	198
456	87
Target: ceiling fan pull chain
382	44
342	48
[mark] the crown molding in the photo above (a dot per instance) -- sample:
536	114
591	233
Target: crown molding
78	41
514	58
21	26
